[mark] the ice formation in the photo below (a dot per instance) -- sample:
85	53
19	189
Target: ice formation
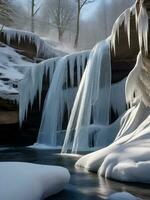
93	97
22	181
42	47
143	27
125	19
60	97
34	76
92	102
16	72
96	86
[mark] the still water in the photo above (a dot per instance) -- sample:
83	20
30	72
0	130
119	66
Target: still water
83	185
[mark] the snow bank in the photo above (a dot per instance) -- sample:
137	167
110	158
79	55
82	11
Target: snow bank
122	196
22	181
128	163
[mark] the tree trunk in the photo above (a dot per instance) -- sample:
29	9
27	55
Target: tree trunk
32	16
60	34
77	26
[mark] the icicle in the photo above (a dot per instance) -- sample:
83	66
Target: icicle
127	14
143	27
78	69
135	12
24	97
124	17
28	92
115	31
83	63
71	71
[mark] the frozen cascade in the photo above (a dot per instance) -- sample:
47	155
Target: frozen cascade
84	111
34	76
61	94
93	101
93	97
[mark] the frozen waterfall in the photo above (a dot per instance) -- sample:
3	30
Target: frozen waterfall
60	97
93	98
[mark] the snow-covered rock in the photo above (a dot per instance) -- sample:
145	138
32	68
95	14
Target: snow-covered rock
22	181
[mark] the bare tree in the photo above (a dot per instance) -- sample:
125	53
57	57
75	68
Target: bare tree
6	12
80	5
61	14
34	11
